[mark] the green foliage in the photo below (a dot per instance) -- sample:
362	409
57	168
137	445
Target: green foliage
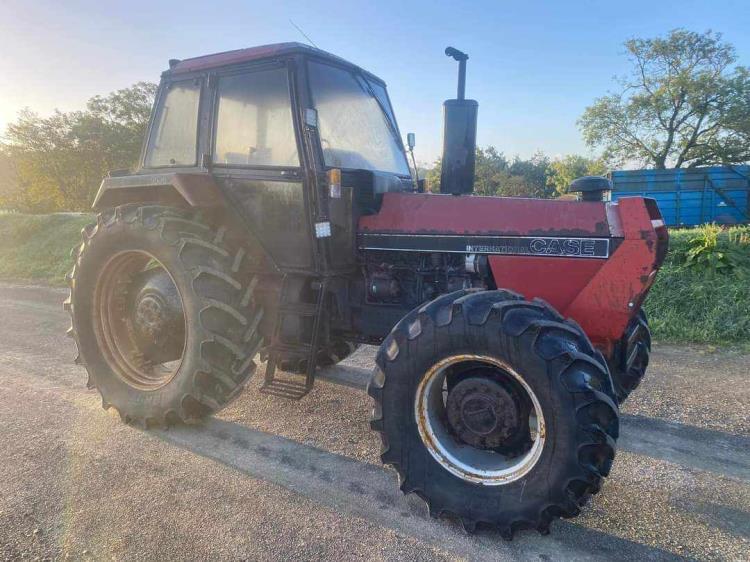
57	162
699	303
563	171
685	103
495	174
37	247
538	176
712	251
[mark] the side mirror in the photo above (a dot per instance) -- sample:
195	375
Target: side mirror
410	140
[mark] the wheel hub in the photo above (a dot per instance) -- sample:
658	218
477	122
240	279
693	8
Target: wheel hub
482	413
149	316
157	313
474	416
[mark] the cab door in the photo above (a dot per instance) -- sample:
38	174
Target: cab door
257	159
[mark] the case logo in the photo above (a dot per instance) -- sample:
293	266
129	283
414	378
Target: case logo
544	246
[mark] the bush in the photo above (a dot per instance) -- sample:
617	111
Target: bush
709	252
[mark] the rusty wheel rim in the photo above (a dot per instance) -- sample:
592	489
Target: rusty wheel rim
114	324
487	468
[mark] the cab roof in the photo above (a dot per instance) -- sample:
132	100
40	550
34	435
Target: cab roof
250	54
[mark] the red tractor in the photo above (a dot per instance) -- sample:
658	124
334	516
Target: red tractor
274	212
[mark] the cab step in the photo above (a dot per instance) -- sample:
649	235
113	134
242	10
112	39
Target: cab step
284	387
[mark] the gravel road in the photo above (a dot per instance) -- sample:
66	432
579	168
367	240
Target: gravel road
273	479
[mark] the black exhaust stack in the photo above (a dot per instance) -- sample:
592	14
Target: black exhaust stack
459	135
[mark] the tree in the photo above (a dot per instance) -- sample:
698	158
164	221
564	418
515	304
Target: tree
529	177
494	174
8	180
564	170
683	104
59	161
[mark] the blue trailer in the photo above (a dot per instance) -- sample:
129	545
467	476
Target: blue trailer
690	196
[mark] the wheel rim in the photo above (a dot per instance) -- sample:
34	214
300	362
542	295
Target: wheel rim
484	406
138	320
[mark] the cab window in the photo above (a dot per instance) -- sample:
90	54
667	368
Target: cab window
254	121
174	136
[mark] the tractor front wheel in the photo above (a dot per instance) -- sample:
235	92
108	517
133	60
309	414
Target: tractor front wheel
494	410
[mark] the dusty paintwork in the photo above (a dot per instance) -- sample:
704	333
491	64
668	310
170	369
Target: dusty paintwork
448	214
195	189
601	295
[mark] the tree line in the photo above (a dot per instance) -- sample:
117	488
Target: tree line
538	176
685	103
57	162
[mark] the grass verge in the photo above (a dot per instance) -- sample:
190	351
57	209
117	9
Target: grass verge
700	305
36	248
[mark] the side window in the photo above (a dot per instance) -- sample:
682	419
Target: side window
254	121
173	138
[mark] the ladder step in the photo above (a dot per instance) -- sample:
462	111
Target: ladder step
279	351
293	390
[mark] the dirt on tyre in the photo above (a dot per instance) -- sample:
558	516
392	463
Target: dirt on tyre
494	410
163	314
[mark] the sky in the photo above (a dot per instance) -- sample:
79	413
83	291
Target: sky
533	66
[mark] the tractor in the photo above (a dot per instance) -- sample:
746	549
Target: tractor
274	217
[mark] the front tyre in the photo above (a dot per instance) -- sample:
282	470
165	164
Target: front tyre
163	314
494	410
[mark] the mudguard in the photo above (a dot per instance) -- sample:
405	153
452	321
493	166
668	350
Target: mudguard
193	189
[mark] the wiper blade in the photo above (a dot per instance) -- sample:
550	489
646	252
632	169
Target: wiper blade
367	88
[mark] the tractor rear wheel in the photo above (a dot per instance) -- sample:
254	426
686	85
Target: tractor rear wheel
163	314
628	366
494	410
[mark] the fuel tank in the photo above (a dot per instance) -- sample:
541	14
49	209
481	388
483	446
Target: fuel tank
592	261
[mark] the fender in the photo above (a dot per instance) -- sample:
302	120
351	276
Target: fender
181	189
194	189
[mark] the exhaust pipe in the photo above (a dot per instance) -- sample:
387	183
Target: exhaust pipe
459	135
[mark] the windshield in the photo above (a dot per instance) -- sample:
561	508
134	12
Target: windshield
355	121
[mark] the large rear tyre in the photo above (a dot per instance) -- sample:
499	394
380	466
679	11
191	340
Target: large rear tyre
163	314
494	410
631	357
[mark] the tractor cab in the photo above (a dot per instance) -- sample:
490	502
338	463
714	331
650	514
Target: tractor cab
268	124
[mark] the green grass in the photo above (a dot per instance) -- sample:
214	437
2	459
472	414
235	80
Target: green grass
698	305
684	306
36	248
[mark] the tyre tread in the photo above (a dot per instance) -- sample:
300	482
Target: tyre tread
211	257
518	316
